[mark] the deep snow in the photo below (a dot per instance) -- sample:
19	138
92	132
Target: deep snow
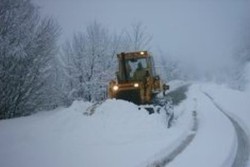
119	134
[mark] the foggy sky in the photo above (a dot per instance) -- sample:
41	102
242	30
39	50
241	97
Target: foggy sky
201	33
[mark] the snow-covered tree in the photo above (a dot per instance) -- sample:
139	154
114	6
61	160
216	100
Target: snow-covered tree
27	45
89	62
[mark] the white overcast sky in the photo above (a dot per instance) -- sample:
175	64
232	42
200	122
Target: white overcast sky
198	31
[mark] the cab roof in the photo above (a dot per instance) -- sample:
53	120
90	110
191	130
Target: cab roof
132	55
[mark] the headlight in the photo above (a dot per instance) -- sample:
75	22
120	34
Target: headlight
142	53
115	88
136	85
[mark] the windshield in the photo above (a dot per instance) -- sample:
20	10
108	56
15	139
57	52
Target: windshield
134	66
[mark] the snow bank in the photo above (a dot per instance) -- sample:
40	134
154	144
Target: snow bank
117	134
234	102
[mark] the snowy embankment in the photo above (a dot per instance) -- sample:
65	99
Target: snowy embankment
117	134
236	103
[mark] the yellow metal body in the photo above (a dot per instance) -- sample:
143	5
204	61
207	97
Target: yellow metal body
136	79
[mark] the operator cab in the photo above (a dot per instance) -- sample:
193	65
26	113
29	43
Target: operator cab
135	66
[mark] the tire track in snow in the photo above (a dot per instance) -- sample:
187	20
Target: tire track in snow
174	153
243	150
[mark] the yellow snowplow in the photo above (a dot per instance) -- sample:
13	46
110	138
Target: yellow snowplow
136	79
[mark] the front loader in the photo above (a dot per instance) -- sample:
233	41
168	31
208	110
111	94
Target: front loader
136	79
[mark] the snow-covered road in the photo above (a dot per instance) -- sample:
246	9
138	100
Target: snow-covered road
118	134
178	148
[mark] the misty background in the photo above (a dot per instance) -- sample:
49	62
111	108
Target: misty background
56	51
204	35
